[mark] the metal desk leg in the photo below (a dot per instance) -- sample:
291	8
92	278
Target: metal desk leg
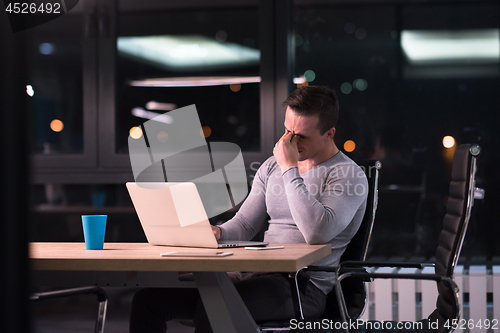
225	309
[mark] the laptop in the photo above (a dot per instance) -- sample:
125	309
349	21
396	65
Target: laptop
173	214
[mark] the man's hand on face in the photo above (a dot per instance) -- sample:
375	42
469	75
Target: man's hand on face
285	151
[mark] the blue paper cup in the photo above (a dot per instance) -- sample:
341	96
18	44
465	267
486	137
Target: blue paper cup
94	228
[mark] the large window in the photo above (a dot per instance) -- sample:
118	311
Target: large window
409	74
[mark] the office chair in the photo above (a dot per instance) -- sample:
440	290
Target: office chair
102	298
458	209
354	289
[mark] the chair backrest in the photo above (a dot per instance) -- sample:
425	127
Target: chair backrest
456	220
354	289
358	247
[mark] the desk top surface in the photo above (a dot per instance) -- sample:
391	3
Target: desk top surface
146	257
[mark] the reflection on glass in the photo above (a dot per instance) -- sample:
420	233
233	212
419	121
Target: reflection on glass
451	53
208	57
414	80
54	67
186	53
462	46
231	116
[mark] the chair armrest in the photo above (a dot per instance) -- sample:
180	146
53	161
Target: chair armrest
336	270
415	276
402	264
332	269
101	294
102	298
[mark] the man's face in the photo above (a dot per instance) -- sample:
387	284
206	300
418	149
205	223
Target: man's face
310	142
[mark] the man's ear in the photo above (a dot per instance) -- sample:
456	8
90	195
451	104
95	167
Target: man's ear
331	133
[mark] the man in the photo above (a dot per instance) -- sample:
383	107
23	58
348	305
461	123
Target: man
308	192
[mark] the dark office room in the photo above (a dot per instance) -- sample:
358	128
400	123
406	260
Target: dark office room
85	82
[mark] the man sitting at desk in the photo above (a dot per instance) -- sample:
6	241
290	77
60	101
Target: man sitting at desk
308	192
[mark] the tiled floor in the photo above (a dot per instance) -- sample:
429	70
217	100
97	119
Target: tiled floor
77	314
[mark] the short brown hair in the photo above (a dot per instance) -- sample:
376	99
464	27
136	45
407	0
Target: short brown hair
318	101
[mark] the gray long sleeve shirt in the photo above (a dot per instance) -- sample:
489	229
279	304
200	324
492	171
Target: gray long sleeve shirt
323	205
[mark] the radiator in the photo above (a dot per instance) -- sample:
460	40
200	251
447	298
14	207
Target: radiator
411	300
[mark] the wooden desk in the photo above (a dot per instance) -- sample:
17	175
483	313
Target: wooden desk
140	265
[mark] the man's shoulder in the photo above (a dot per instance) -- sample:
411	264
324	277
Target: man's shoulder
343	167
340	160
268	166
269	163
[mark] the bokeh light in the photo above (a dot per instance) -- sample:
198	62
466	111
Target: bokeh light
221	36
235	87
135	132
309	75
162	136
360	84
360	33
349	146
47	48
29	90
205	131
346	88
56	125
232	119
349	27
448	141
